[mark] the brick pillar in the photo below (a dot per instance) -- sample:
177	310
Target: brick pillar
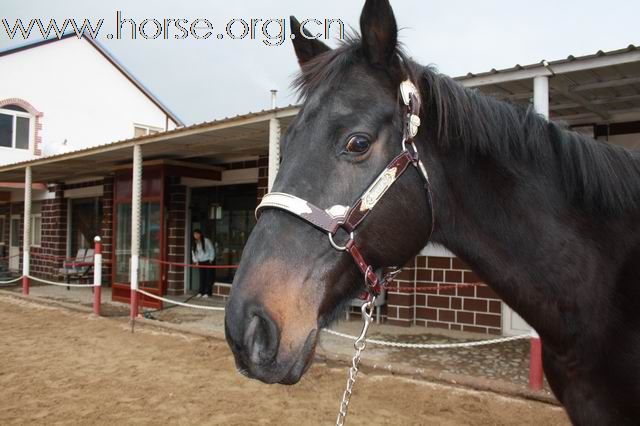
400	306
263	176
5	212
176	235
106	230
53	236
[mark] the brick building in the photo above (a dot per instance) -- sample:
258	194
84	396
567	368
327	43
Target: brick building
212	175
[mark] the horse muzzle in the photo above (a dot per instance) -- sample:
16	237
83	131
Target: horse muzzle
259	350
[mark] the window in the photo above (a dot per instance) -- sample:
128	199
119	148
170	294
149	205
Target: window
15	127
36	225
2	230
15	232
144	130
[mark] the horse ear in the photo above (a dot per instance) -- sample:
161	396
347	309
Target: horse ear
307	47
379	32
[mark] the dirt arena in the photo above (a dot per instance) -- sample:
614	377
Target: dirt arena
66	367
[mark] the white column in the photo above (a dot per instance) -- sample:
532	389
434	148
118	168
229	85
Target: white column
26	235
97	275
541	105
274	150
136	201
541	95
97	262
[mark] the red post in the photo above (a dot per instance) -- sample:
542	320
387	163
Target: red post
536	374
25	285
97	276
134	304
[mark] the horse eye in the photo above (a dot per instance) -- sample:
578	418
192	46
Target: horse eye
358	144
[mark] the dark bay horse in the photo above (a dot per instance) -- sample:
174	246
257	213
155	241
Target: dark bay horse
546	217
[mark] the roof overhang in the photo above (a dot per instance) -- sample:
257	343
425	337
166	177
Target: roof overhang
211	143
599	88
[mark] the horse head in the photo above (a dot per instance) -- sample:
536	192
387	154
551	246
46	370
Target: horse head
291	281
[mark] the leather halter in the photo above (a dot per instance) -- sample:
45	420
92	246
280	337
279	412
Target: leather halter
349	218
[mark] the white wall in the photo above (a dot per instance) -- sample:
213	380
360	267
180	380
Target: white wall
85	99
631	141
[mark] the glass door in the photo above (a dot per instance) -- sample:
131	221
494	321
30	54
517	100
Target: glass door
151	275
150	244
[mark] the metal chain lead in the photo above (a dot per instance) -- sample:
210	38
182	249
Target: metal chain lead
359	345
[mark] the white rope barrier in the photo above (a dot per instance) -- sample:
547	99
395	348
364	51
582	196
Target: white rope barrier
374	341
186	305
59	284
11	281
333	332
432	345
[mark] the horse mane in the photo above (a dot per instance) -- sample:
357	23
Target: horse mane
597	176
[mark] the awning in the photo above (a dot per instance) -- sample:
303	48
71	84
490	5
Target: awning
214	142
600	88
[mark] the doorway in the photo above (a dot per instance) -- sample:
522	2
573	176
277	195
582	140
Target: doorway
225	215
152	227
512	323
14	243
85	221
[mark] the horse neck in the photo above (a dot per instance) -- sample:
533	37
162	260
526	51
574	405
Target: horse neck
529	206
496	221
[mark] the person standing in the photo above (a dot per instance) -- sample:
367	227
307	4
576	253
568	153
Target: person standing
203	254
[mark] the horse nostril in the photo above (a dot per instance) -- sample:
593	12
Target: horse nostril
261	339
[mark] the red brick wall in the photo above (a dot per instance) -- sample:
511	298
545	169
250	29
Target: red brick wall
222	290
106	233
439	305
263	176
53	236
5	213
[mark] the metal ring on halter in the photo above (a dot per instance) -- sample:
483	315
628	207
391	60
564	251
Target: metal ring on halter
337	247
367	284
414	150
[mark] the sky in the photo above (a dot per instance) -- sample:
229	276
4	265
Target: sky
206	79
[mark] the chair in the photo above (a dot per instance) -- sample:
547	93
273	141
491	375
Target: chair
380	301
78	267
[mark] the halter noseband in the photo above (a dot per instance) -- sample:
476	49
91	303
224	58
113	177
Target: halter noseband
349	218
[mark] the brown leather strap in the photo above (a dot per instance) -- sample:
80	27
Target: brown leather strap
365	268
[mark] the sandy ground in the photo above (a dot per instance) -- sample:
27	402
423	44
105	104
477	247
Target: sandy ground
63	367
